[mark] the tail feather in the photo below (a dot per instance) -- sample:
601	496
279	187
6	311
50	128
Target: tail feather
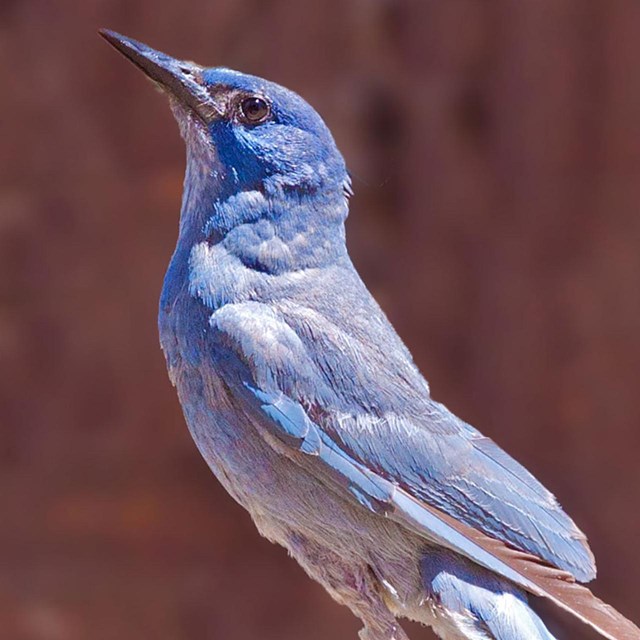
477	603
523	569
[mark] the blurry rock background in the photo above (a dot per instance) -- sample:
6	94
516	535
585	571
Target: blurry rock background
495	149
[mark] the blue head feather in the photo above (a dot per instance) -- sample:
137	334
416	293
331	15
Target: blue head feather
292	148
272	194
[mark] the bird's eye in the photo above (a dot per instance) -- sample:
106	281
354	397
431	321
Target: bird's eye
254	110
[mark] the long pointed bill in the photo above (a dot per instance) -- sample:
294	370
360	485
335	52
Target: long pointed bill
182	80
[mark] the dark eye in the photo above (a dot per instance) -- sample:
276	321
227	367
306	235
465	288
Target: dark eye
254	110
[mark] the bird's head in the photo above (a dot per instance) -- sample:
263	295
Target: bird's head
244	135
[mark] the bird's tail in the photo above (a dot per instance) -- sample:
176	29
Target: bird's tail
521	570
477	604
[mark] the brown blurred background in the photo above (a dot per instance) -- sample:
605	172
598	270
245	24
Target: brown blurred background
495	148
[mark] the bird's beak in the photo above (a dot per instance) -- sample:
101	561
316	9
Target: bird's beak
180	79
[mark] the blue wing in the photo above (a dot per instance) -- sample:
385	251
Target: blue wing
356	413
372	405
289	423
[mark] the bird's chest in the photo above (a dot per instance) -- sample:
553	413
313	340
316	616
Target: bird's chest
223	433
265	480
226	437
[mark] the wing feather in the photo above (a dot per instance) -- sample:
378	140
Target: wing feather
390	500
441	478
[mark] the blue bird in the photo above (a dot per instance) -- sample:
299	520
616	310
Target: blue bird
308	407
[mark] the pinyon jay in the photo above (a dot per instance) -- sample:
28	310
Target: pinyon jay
308	407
